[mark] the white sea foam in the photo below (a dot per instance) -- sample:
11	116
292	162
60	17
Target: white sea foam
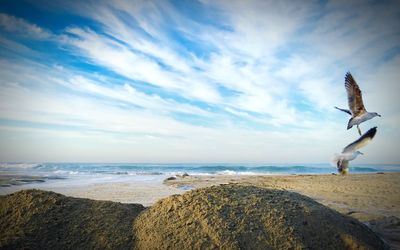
64	172
231	172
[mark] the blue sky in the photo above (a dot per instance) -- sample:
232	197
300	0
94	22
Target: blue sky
195	81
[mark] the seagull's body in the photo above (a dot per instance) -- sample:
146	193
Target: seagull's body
350	152
356	106
342	163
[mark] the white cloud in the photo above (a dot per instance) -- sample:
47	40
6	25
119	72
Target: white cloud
192	77
137	66
127	93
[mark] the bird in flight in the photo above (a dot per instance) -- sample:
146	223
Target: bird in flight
350	152
356	105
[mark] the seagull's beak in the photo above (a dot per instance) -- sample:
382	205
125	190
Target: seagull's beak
379	115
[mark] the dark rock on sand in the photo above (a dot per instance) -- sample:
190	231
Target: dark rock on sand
247	217
34	219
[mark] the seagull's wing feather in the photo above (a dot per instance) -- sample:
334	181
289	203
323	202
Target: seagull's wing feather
360	142
344	110
354	96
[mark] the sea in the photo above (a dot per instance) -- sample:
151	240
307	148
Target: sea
70	170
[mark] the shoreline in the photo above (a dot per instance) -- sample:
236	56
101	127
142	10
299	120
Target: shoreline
127	189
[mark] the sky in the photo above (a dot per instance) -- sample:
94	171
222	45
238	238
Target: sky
195	81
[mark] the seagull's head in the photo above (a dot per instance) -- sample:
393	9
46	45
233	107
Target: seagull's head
376	114
359	153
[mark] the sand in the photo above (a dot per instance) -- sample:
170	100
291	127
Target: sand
247	217
35	219
123	192
373	199
145	192
218	217
370	196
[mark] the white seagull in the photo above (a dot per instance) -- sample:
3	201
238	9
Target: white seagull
356	105
350	152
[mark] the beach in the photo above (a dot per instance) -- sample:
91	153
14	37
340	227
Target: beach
144	183
363	196
373	199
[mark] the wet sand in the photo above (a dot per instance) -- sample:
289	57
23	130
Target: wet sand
125	190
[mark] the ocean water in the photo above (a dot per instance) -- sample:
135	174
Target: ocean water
60	177
66	170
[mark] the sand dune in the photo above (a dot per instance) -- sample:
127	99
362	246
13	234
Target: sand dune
374	199
224	217
248	217
34	219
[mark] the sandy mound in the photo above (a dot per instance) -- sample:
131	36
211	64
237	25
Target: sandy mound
34	219
247	217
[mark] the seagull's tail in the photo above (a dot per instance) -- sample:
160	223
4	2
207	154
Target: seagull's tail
344	110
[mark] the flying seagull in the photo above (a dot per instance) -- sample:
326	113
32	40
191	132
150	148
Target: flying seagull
350	152
356	105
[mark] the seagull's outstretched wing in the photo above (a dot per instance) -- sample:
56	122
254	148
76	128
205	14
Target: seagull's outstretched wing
344	110
360	142
354	96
